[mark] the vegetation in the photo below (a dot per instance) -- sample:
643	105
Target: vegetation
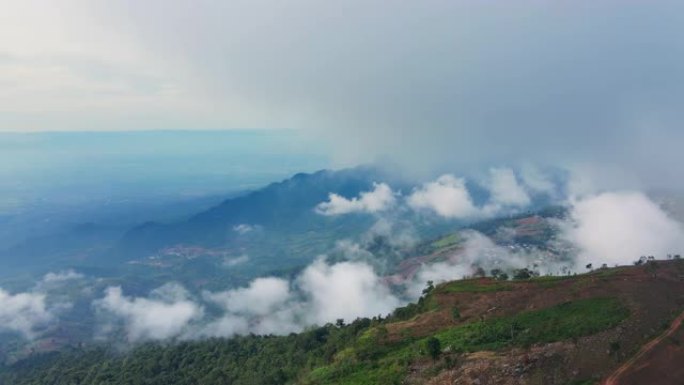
357	353
447	241
557	323
474	286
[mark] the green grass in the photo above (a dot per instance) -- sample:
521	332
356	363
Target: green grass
447	241
474	286
548	281
557	323
390	361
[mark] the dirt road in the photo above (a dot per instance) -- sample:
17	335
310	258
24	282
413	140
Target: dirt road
614	378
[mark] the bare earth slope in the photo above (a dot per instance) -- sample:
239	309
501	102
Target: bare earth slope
653	303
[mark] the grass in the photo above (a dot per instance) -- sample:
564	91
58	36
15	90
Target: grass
548	281
557	323
474	286
447	241
390	362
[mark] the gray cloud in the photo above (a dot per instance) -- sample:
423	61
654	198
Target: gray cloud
433	82
427	85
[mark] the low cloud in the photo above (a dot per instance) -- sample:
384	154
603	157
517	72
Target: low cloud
232	262
244	228
479	251
261	297
619	227
166	314
62	276
24	313
379	199
505	189
345	290
447	197
536	180
322	293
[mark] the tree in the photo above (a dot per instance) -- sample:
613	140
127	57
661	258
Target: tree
433	347
499	274
652	267
455	313
615	349
524	273
430	286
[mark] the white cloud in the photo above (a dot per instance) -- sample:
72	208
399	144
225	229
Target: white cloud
261	297
23	312
232	262
619	227
477	251
322	293
344	290
166	314
536	180
447	197
266	306
380	199
505	189
62	276
244	228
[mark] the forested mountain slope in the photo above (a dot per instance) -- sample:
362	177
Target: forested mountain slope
543	330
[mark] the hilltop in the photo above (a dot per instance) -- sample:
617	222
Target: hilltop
576	329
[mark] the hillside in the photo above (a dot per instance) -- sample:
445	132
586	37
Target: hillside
545	330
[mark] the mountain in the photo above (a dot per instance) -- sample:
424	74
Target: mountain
619	325
279	211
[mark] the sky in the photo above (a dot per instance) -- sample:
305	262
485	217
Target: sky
421	84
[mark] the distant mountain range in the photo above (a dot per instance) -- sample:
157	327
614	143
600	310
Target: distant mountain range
274	228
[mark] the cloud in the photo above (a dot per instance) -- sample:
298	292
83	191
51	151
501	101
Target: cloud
505	189
24	313
232	262
536	180
426	84
244	228
619	227
166	314
322	293
479	250
380	199
344	290
261	297
447	197
62	276
266	306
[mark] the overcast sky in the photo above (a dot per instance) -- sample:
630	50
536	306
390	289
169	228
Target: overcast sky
418	82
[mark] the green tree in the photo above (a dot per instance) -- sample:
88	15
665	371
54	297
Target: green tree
433	347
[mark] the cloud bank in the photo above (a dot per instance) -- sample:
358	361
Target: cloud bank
619	227
425	84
